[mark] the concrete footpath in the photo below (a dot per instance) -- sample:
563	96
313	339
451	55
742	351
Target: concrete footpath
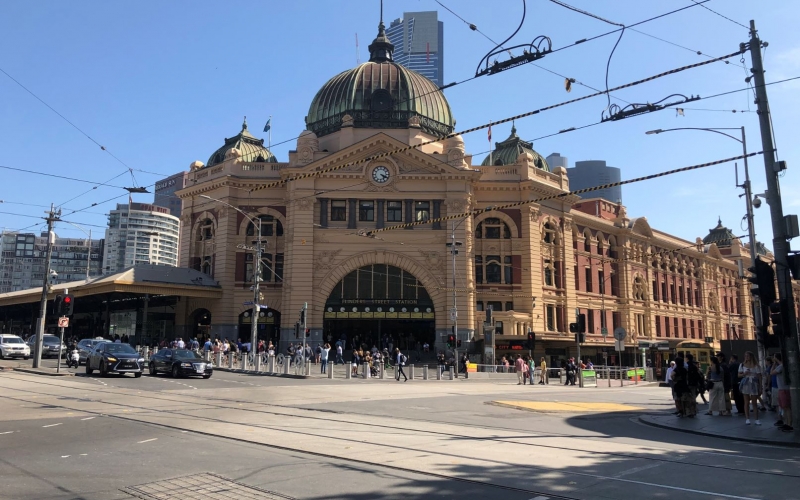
25	366
732	427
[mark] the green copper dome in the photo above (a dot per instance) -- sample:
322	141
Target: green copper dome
507	152
380	94
720	235
250	148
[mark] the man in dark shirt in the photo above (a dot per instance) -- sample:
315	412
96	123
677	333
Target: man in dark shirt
736	394
726	382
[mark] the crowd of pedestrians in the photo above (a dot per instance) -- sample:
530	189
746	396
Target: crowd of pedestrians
731	383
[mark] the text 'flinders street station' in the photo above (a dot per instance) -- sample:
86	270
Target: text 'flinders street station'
534	265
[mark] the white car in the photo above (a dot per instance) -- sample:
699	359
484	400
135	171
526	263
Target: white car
12	346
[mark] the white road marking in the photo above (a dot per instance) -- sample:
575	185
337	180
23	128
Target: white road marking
84	454
7	432
51	425
64	456
87	418
146	441
539	498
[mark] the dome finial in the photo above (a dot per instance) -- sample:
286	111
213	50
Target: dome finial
381	48
244	123
513	127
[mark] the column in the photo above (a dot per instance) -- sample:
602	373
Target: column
409	213
323	212
379	215
351	213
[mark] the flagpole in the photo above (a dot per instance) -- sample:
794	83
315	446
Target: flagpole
491	159
270	134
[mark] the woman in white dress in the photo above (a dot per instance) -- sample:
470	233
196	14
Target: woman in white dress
750	385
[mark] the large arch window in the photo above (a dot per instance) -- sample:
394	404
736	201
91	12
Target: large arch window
550	235
269	226
206	230
379	282
494	269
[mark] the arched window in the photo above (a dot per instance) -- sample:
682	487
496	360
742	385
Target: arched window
270	226
550	235
600	249
206	267
548	273
492	229
587	242
493	269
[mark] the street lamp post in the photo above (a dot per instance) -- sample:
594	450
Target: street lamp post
256	274
454	312
748	196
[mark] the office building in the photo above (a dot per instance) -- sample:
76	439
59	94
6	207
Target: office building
165	192
556	160
23	259
140	233
592	173
418	40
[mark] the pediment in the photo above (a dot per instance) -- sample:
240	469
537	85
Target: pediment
641	226
359	157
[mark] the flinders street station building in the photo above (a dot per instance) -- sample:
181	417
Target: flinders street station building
534	265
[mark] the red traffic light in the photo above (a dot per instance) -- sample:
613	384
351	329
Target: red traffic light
67	299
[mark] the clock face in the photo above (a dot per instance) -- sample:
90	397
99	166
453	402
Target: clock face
380	174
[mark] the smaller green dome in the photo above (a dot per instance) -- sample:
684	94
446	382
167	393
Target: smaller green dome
720	235
508	151
250	149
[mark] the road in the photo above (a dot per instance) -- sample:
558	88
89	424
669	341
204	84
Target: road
92	437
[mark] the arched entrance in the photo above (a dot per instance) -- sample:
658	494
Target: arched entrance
269	325
201	324
380	304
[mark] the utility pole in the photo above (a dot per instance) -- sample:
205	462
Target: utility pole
52	216
779	232
307	366
256	293
454	311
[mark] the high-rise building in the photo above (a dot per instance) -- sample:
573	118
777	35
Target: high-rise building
593	173
165	192
418	40
140	233
22	261
556	160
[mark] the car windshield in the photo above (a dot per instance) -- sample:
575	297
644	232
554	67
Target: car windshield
50	339
120	348
12	340
185	353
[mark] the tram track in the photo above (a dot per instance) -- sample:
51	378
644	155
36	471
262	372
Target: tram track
225	404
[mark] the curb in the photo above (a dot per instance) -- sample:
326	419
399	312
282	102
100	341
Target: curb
261	374
35	372
783	444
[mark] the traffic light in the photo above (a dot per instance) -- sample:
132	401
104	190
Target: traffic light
777	315
580	326
302	316
451	340
308	332
458	343
64	305
297	330
793	261
580	337
531	339
764	278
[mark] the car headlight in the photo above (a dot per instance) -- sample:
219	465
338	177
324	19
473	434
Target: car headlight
111	359
186	365
140	360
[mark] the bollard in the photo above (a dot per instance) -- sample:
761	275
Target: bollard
230	360
218	361
271	364
411	372
383	371
348	372
425	372
258	362
146	354
438	373
244	362
155	351
330	371
452	373
286	362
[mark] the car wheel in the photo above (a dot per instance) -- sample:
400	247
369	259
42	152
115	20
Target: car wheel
25	358
175	373
89	371
152	369
103	372
2	355
206	377
137	374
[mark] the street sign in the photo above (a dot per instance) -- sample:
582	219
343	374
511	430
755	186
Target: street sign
620	333
604	332
453	313
619	345
247	303
63	322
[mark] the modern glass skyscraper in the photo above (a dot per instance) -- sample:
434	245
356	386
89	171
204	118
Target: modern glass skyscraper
418	40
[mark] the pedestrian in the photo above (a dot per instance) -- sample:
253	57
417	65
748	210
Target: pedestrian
354	365
518	364
544	378
687	399
784	400
339	359
736	393
465	365
525	371
716	390
726	383
671	384
697	381
750	385
323	357
400	359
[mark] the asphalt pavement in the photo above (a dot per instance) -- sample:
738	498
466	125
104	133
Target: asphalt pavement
365	439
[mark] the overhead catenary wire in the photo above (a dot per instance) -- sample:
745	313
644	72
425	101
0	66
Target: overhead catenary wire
720	15
560	195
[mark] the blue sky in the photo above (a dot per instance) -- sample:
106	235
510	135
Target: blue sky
161	84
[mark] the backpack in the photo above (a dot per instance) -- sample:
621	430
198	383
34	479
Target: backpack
403	359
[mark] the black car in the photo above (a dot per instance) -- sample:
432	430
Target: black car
180	363
109	357
85	348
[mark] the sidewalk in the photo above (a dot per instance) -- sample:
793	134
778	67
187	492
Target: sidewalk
25	366
732	427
